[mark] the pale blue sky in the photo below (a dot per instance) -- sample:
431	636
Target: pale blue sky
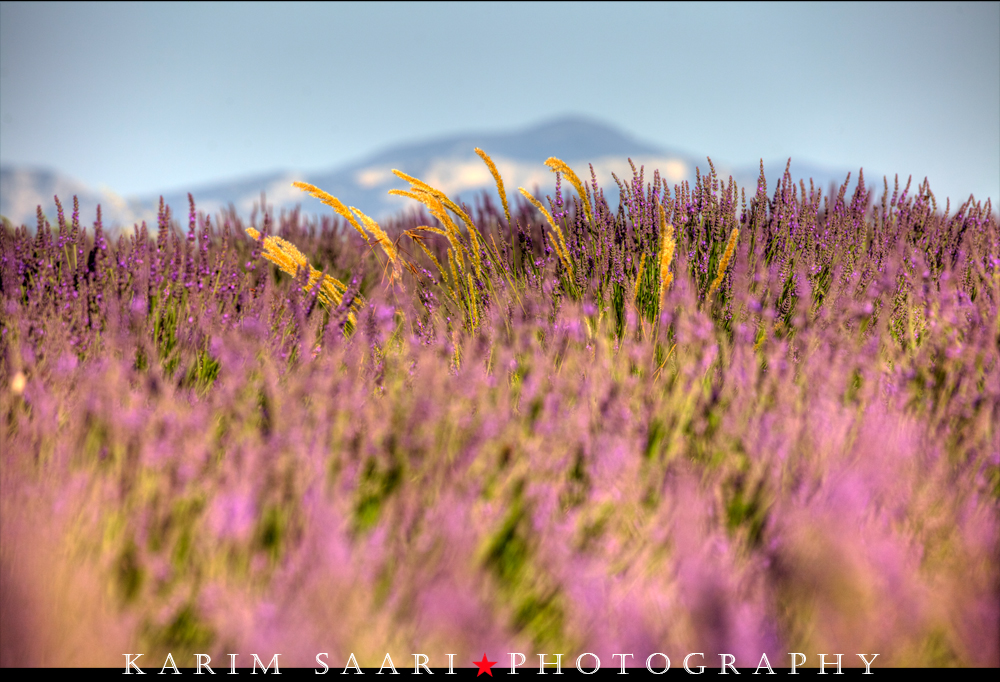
151	97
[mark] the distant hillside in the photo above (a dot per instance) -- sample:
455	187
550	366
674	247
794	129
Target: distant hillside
23	189
448	163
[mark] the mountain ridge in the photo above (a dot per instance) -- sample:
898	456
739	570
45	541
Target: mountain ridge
447	162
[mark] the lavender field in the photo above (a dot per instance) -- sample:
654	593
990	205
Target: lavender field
707	421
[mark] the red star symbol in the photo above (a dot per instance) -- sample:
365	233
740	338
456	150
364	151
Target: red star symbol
484	666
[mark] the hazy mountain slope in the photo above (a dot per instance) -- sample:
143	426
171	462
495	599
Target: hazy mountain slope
448	163
23	189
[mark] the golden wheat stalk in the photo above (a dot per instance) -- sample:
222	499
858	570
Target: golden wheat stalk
470	226
638	280
496	176
427	228
404	193
387	246
560	242
667	246
559	166
454	208
413	181
289	259
333	201
726	257
437	210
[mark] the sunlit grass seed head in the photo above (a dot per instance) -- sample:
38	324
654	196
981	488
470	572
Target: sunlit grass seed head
383	239
638	278
496	176
559	166
289	259
726	257
416	182
333	202
418	185
667	246
348	214
437	210
282	253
